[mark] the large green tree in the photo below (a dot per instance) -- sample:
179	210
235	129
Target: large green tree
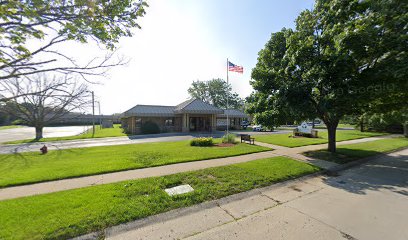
344	57
215	92
32	33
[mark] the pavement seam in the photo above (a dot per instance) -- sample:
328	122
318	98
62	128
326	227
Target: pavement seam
277	201
344	234
226	211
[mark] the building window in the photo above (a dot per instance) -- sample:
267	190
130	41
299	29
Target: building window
138	122
169	122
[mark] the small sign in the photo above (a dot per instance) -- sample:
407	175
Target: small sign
179	190
304	128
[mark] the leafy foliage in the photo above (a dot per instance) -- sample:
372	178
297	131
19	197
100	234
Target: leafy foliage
215	92
53	22
229	138
202	142
342	58
387	122
80	20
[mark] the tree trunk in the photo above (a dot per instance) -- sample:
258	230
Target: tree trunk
331	131
406	129
38	132
362	124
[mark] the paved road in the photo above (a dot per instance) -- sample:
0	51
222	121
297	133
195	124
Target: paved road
367	202
29	132
166	137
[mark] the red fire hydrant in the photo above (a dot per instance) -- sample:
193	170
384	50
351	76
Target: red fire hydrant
44	149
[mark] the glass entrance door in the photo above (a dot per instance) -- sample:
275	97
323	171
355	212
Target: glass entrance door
200	124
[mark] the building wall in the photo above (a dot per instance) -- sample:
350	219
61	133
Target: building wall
234	123
132	125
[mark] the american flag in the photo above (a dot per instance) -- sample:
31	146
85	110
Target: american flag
234	68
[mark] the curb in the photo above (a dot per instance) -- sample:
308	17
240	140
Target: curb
179	212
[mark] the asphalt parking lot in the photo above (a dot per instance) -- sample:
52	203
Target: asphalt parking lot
22	133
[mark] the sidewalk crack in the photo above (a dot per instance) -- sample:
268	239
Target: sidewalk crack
226	211
277	201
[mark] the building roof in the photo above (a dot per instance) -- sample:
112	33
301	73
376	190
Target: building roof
197	106
233	113
150	111
193	106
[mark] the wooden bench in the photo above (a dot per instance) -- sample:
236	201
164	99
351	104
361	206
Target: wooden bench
247	138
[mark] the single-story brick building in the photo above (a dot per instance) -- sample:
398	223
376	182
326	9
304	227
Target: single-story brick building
190	116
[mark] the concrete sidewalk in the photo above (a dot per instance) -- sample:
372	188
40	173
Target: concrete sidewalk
366	202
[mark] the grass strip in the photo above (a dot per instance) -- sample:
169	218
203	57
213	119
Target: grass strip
32	167
71	213
352	152
287	141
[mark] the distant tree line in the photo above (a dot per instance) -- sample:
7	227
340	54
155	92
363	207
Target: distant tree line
216	92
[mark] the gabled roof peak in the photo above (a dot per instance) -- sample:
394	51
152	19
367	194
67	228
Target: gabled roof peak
197	106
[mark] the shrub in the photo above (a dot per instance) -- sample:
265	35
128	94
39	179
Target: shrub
202	142
229	138
149	128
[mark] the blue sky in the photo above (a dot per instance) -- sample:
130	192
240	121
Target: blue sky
185	40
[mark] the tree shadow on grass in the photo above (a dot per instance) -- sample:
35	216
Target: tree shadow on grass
21	159
343	155
385	172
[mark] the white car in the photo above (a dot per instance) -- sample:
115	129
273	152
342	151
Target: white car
258	128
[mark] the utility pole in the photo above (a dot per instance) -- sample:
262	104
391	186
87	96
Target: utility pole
93	113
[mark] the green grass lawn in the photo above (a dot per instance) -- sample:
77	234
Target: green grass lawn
71	213
287	141
351	152
23	168
116	131
10	127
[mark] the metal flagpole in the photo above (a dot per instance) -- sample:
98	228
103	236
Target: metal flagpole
227	99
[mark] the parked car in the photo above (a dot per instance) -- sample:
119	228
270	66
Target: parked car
244	124
258	128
